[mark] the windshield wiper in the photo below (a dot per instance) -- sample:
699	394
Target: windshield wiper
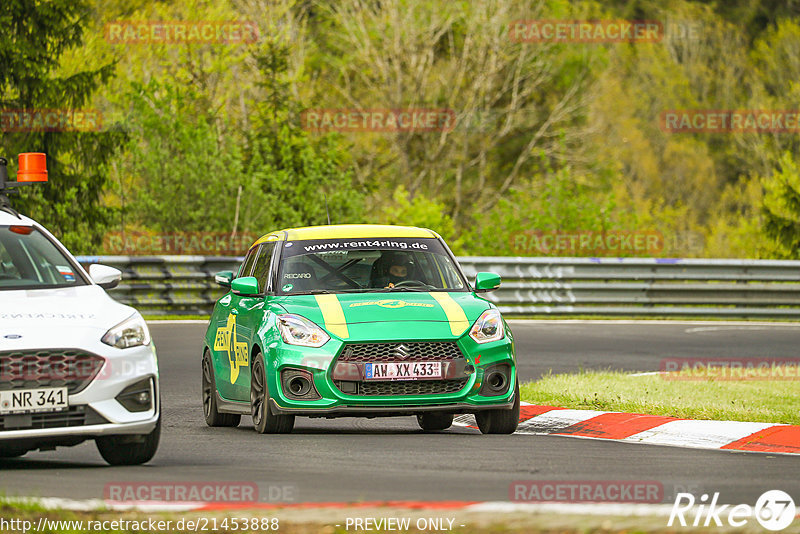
363	290
391	289
422	289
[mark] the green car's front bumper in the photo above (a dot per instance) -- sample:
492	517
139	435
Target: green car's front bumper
340	390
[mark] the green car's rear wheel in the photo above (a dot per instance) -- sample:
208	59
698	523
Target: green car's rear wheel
431	421
212	416
264	420
500	421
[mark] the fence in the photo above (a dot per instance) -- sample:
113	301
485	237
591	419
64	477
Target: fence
183	285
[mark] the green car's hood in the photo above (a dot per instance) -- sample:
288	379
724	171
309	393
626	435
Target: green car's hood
388	316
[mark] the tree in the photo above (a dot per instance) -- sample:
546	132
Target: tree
183	172
290	178
33	38
782	207
511	101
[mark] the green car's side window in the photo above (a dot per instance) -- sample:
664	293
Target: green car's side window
247	264
261	269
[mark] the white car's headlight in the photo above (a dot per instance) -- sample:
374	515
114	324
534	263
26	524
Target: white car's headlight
297	330
131	332
488	327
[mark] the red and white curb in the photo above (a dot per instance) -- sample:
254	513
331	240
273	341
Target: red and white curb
654	429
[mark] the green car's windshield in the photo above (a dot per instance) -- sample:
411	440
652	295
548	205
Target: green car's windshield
367	265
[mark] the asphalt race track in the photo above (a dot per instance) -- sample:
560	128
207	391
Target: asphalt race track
391	459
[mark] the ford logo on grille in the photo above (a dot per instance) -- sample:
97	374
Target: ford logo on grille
401	351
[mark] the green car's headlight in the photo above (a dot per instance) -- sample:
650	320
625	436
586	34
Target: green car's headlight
132	332
297	330
488	327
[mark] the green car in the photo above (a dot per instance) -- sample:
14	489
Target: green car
357	321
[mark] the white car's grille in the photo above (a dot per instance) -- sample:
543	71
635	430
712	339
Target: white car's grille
70	368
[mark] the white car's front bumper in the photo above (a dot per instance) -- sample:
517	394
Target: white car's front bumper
122	368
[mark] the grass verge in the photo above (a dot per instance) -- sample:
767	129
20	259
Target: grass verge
767	401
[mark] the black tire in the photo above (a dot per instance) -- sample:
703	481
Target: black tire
500	421
432	421
130	450
12	452
210	412
264	421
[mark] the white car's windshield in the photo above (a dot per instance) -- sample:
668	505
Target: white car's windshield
28	260
367	265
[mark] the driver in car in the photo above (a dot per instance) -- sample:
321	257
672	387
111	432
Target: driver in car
398	267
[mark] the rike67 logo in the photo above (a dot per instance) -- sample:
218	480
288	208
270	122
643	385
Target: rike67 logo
774	510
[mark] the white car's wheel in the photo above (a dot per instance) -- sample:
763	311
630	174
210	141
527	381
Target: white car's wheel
130	450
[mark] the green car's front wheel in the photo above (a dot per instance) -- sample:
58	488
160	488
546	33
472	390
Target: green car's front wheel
210	412
264	420
500	421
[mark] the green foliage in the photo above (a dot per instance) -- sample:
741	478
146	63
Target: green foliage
547	137
289	179
782	207
560	201
33	38
187	171
184	171
421	211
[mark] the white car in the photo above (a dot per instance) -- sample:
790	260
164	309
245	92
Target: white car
74	364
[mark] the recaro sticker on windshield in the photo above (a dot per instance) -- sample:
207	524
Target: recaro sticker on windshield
227	340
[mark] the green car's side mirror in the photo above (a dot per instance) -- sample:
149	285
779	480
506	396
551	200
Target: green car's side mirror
224	278
486	282
245	286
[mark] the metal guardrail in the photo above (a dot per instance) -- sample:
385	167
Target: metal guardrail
531	286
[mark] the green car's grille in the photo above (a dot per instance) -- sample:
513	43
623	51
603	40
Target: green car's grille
405	351
70	368
407	387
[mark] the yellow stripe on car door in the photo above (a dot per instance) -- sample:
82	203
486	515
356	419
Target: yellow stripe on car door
333	315
455	314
